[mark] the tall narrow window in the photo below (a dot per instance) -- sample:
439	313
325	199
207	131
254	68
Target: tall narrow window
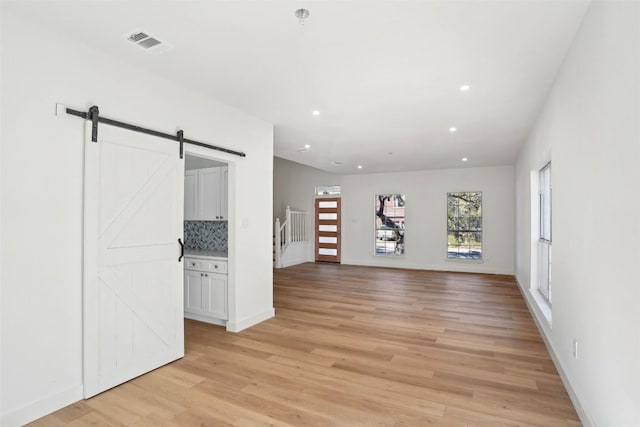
464	225
390	214
544	246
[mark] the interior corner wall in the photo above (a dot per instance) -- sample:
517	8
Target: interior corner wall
294	185
590	130
41	200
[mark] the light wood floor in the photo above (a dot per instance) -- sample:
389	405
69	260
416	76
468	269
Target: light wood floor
354	346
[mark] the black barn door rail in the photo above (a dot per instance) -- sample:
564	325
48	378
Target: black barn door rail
94	116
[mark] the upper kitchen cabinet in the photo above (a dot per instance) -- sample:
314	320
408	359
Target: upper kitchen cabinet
205	194
191	195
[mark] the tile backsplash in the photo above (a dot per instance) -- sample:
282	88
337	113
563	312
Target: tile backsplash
208	235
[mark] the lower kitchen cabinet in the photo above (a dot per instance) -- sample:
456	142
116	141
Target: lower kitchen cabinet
205	294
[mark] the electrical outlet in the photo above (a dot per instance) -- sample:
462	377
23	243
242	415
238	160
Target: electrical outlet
575	348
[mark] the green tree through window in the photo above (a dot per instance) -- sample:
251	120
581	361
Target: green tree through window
464	225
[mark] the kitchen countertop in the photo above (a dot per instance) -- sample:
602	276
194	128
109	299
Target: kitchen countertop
203	253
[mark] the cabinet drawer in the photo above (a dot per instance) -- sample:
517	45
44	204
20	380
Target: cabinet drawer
199	264
215	266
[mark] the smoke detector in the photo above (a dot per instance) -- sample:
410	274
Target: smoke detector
149	43
301	14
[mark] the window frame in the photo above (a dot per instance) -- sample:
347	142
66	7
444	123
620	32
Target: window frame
329	190
376	230
541	205
544	243
449	257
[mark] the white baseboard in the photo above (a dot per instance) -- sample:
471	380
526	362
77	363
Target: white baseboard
247	322
290	262
205	319
538	318
42	407
457	266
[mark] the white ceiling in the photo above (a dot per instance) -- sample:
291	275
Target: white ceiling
385	76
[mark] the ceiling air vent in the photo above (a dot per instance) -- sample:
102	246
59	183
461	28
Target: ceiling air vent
147	42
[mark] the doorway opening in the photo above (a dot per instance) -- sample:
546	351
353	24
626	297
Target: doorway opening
206	239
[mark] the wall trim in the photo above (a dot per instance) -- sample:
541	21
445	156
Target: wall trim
533	308
290	262
458	267
205	319
247	322
42	407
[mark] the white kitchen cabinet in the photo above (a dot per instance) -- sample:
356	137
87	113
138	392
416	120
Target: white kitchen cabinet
206	194
191	196
209	193
224	192
205	289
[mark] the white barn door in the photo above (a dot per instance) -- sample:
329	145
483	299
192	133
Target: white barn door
133	282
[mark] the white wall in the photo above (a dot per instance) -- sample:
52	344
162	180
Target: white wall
0	221
426	191
426	217
590	130
294	185
41	199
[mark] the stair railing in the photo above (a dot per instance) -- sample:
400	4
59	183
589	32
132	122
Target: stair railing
292	230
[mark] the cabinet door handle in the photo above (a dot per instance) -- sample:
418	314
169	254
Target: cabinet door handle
215	266
181	250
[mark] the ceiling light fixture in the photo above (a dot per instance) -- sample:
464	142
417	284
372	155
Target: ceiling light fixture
301	14
453	129
316	113
464	88
464	159
359	166
336	162
307	146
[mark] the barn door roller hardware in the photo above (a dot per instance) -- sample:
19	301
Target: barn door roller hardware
94	115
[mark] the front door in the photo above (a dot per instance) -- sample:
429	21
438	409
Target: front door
327	235
133	307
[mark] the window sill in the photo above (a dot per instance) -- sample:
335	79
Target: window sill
542	304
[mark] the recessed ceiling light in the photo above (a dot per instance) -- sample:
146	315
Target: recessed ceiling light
359	166
316	113
453	129
336	162
464	159
464	88
307	146
389	153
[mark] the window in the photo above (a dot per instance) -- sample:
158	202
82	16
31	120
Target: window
545	203
328	190
464	225
544	242
389	220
